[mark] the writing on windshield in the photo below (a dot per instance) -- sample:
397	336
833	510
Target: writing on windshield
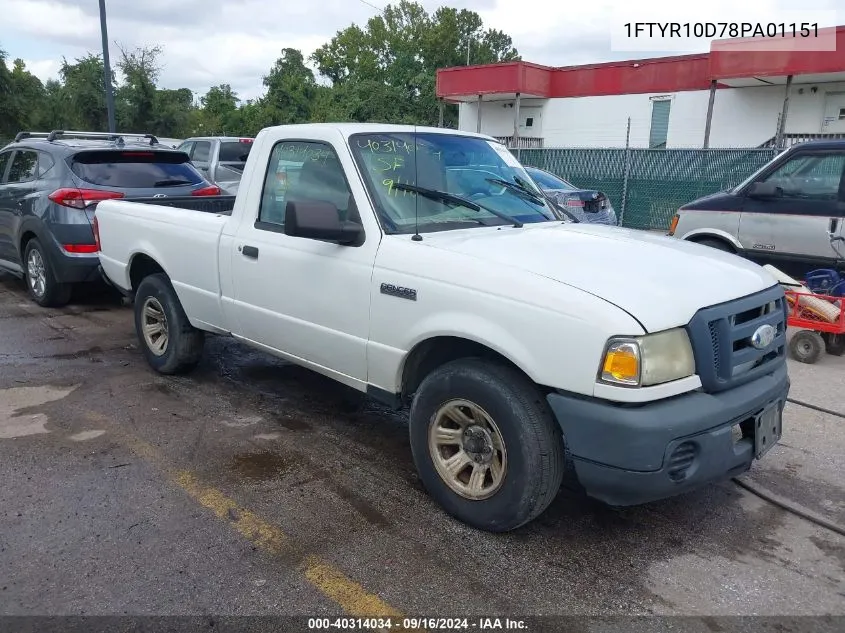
467	168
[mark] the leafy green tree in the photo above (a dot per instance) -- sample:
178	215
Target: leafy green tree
291	88
84	93
395	57
135	100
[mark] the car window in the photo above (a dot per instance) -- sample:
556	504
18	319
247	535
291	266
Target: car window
186	147
202	152
547	181
45	163
4	162
235	151
810	176
135	169
24	166
300	171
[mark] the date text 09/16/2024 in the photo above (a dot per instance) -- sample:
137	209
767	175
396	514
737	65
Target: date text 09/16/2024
415	624
721	30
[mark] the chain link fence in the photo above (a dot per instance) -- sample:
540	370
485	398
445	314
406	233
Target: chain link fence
646	186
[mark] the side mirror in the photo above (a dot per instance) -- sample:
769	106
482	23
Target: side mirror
318	220
764	190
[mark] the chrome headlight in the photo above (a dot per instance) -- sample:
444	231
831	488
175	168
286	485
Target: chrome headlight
652	359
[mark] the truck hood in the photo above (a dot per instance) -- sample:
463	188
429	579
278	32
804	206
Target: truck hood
660	281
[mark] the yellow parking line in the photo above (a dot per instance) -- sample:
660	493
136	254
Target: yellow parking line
328	579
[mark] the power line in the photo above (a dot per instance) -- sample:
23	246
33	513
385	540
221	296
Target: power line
370	4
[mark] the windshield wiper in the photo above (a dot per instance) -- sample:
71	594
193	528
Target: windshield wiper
171	183
445	196
517	187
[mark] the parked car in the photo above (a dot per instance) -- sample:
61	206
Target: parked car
524	345
588	205
49	185
221	159
783	214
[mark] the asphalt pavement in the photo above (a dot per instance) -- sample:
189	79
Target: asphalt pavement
254	487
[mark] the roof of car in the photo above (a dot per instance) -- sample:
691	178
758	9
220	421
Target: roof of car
73	144
832	143
375	128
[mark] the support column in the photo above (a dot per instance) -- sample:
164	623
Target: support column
478	118
516	121
440	116
709	114
782	126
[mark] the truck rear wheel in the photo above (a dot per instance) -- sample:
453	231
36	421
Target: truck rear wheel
485	444
171	344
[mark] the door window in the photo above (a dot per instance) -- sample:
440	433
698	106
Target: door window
202	152
4	162
186	147
303	171
811	177
24	167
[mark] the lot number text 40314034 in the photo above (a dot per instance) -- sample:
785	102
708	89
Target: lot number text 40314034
721	29
417	624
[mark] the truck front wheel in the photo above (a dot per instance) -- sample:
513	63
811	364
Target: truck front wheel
485	444
170	343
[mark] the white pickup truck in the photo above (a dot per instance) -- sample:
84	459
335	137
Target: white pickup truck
423	267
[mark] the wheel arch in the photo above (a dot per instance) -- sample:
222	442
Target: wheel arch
435	351
698	235
142	265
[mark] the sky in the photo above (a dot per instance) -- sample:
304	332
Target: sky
209	42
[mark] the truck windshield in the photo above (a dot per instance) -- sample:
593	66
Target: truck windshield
469	168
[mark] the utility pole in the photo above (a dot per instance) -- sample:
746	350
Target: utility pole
107	66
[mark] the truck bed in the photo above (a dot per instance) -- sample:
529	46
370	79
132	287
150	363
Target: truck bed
221	205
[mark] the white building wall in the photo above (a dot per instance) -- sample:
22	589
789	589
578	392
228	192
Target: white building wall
742	117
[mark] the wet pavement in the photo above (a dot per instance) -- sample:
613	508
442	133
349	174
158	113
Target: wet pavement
252	486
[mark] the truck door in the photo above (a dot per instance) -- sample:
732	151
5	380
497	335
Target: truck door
787	223
304	298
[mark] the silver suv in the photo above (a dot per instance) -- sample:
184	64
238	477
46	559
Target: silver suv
784	214
221	159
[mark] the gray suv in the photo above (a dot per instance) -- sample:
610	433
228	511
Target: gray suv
50	184
785	214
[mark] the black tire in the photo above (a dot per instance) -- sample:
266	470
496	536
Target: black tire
41	285
533	443
182	346
834	344
717	244
806	346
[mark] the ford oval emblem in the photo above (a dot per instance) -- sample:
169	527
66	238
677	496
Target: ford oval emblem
763	336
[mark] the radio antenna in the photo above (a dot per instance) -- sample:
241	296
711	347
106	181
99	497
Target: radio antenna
417	237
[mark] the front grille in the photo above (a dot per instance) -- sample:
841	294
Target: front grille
680	461
721	339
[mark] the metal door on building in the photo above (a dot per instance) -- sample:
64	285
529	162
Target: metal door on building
834	113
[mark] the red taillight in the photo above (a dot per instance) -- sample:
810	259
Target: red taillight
80	248
81	198
211	190
245	140
96	227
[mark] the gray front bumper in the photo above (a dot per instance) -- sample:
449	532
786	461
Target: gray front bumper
622	453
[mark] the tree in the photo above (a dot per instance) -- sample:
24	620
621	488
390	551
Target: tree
394	60
21	97
136	98
83	93
291	88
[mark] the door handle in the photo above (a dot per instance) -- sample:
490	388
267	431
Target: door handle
250	251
